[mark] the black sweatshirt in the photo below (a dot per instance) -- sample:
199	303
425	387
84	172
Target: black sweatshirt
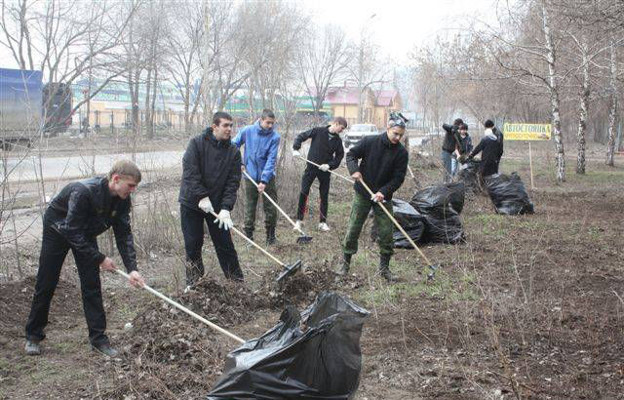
383	164
451	138
85	209
492	148
210	168
326	147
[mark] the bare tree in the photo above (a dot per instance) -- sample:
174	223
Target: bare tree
614	102
322	61
185	44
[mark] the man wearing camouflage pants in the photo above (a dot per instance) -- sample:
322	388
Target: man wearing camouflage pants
382	166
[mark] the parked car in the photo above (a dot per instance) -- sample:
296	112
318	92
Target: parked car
357	132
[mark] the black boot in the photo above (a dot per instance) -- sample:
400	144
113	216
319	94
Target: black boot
384	268
343	269
105	349
270	238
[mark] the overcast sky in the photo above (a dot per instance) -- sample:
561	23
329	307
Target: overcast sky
399	25
396	25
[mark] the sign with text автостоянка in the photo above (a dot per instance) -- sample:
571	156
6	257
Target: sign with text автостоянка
526	131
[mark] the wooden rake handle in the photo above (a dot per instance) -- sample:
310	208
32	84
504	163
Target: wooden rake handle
275	204
256	245
330	171
409	239
186	310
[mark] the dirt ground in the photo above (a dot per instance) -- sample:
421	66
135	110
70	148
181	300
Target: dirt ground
530	307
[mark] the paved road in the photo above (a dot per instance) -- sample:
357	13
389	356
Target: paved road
24	170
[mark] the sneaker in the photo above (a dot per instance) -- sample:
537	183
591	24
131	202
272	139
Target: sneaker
187	289
32	348
323	227
105	349
298	225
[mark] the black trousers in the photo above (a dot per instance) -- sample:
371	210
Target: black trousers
193	231
311	173
489	168
54	249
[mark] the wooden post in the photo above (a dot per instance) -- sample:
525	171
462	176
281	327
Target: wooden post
531	166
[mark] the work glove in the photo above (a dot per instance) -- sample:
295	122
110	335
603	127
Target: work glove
324	167
296	153
206	205
225	221
378	198
463	159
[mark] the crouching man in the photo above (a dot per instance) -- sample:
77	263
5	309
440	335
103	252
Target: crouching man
73	220
382	165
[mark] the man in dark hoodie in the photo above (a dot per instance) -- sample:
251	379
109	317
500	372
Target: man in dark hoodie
491	147
450	144
210	179
382	166
73	220
326	149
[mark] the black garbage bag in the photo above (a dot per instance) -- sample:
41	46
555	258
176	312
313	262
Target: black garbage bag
323	360
469	175
508	194
410	220
443	230
441	201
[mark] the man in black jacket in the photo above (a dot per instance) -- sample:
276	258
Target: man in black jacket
450	145
382	166
210	179
75	217
326	149
492	147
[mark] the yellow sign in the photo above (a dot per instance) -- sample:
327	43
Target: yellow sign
527	131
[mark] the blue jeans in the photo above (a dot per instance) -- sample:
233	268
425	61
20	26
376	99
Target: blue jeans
447	163
454	166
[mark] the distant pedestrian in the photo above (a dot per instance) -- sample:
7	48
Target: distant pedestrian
491	147
450	144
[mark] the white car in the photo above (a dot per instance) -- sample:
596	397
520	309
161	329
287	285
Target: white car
357	132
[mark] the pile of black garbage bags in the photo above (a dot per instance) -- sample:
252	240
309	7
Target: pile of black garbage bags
431	216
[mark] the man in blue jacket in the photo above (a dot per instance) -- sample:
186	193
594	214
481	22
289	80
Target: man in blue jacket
261	145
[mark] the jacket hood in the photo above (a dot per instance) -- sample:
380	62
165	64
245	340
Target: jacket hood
261	130
209	135
489	133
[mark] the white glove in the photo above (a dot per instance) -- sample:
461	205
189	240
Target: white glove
205	205
324	167
296	153
225	221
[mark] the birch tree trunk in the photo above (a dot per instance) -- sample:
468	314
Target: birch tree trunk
583	110
554	95
613	108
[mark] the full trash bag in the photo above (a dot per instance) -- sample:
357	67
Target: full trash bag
410	220
469	175
321	360
444	230
440	206
440	201
508	194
